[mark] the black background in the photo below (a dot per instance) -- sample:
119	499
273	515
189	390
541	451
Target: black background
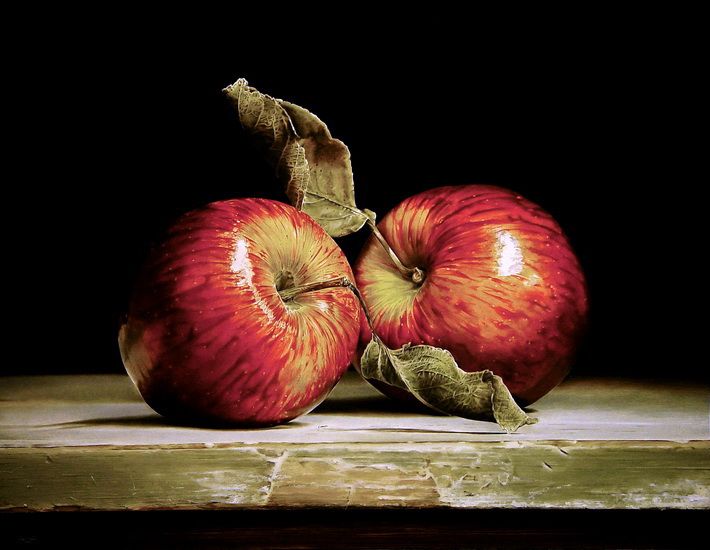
126	136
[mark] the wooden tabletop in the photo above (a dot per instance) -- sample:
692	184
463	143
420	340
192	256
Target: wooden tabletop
91	443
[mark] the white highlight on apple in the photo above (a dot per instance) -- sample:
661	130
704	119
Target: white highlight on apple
240	262
510	257
241	266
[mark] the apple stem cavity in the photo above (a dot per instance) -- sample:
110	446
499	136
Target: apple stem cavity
416	274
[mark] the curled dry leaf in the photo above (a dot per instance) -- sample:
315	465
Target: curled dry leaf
432	376
313	166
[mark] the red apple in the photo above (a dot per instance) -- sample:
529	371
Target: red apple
208	337
502	288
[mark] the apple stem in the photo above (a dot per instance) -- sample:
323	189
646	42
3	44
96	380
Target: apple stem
416	274
290	293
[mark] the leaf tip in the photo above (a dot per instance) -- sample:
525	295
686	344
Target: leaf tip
240	83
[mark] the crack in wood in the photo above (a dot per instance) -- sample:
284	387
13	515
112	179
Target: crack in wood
278	463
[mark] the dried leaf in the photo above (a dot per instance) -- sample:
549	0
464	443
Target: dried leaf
314	167
433	377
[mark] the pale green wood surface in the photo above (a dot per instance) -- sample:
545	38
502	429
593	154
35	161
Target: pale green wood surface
89	442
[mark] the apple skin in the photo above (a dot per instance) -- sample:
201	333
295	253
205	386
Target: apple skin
208	339
503	290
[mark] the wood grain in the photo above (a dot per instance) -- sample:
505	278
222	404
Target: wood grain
90	443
